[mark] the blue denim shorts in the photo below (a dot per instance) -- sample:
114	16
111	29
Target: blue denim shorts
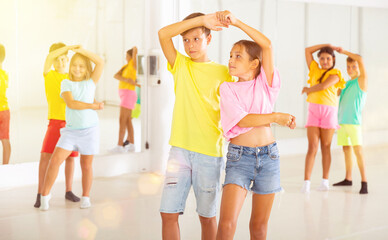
254	168
186	168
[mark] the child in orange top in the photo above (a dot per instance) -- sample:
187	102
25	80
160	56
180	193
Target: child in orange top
323	108
127	77
57	57
4	110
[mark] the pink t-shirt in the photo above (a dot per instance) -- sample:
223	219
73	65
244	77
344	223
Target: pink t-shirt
239	99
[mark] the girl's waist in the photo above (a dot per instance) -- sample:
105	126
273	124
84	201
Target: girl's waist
256	137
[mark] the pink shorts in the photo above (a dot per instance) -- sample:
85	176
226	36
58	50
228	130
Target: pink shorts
128	98
322	116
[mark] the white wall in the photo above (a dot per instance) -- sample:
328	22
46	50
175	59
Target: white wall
28	28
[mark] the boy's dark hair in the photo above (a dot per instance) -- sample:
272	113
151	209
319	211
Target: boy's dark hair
330	51
254	51
56	46
2	53
194	15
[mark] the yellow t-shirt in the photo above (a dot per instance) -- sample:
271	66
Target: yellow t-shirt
196	118
328	96
3	89
128	72
56	105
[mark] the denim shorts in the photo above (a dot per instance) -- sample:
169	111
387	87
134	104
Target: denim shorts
186	168
254	168
86	141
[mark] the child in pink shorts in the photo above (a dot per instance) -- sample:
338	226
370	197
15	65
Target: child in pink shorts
322	111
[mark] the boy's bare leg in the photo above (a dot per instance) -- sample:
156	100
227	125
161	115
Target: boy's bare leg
209	228
6	150
358	151
170	226
348	162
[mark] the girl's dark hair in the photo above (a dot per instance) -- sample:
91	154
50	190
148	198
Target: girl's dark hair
254	51
330	51
130	51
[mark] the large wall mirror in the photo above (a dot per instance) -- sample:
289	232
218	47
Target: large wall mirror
292	25
106	27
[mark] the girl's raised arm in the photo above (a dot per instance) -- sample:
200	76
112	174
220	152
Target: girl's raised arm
227	17
310	50
97	60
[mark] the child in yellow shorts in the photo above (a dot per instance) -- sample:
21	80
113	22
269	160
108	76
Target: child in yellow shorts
352	101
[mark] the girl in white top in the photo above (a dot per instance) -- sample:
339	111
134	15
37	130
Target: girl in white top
81	132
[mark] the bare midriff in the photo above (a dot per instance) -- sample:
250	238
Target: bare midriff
256	137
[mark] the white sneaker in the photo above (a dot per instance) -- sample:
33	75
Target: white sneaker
44	202
85	202
324	186
130	147
117	149
305	187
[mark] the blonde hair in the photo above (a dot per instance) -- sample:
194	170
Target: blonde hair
87	62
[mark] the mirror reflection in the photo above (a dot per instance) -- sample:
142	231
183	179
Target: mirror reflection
106	29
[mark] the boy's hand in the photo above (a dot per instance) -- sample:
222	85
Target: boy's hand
339	50
211	22
226	18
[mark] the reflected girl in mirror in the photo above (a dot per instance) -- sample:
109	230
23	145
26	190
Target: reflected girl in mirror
128	97
322	120
4	110
82	131
53	78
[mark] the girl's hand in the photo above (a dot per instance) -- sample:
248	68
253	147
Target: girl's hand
306	90
137	85
226	17
211	22
98	105
284	119
293	123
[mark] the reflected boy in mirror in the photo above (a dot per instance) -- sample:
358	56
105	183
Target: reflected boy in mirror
4	110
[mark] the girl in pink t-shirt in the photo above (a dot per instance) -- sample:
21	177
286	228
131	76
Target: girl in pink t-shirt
246	114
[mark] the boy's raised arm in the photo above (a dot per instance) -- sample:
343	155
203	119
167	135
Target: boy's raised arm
363	78
167	33
53	55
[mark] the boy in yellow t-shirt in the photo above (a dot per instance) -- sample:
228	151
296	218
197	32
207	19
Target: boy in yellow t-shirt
196	137
4	110
57	58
